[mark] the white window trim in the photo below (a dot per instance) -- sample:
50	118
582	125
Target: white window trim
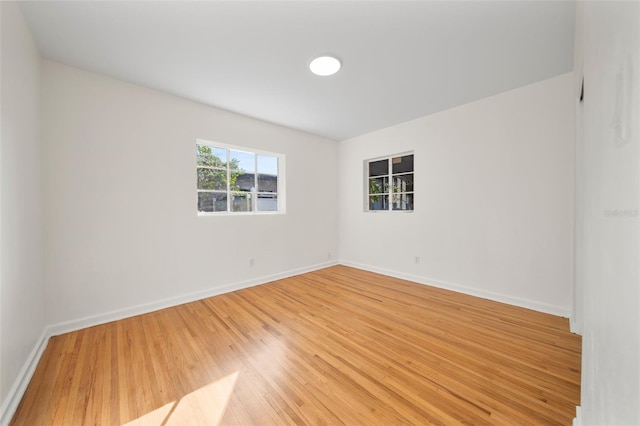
281	181
365	168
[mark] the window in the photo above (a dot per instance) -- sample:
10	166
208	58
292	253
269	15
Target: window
234	180
389	183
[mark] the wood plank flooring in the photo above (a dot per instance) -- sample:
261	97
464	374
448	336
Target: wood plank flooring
335	346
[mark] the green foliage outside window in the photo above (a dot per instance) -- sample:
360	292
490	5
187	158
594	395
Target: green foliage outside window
213	176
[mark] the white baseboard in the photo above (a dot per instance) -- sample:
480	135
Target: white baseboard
10	404
577	421
90	321
515	301
574	326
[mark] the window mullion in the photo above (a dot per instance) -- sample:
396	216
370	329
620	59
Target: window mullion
228	180
254	196
391	193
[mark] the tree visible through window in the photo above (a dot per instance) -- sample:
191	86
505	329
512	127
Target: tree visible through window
390	183
233	180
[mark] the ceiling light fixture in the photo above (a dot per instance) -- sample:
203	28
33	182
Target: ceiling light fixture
325	65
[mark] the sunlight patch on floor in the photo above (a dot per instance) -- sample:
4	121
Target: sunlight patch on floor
205	406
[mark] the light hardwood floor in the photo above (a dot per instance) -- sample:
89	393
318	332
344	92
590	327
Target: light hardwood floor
335	346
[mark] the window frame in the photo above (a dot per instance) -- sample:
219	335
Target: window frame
280	191
389	176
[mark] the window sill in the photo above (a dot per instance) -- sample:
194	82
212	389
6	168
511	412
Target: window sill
389	211
222	214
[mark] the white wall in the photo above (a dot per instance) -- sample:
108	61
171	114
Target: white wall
608	197
494	199
121	226
22	318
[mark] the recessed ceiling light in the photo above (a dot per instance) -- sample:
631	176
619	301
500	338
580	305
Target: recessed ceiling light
325	65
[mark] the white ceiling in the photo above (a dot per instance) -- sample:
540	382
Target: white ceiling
401	60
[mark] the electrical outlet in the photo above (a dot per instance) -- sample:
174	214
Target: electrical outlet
251	261
329	255
417	260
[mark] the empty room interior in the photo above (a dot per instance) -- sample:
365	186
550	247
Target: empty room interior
320	212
